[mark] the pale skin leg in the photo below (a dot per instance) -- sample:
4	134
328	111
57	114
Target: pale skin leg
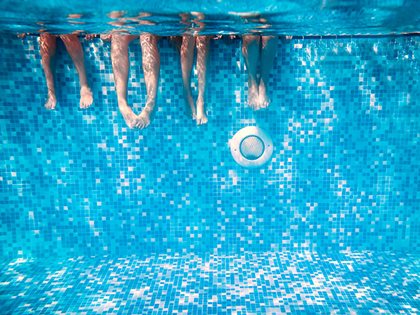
74	48
202	43
268	53
48	48
120	68
251	53
151	68
187	58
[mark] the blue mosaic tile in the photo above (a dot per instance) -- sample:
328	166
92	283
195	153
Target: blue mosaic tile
344	119
247	283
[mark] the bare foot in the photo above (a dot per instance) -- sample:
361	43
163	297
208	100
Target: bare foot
143	120
253	95
86	98
201	114
129	116
51	101
263	100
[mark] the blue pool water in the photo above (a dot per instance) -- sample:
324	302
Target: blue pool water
97	218
286	17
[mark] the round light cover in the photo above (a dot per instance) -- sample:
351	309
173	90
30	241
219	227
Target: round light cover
251	147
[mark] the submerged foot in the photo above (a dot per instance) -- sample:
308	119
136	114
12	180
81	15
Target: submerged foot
263	100
86	97
51	102
253	95
201	114
143	120
129	116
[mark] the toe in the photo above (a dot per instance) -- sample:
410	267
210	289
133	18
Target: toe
140	123
265	104
131	123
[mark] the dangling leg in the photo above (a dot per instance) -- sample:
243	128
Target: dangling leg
75	51
268	53
47	48
151	68
187	58
251	52
120	68
202	43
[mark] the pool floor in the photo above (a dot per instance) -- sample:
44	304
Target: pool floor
247	283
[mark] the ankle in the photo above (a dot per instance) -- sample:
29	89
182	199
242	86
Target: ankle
122	104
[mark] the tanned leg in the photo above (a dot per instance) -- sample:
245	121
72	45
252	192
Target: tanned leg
74	48
268	53
47	49
151	69
120	68
187	59
203	44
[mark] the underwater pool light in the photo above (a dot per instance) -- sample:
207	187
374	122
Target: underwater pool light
251	147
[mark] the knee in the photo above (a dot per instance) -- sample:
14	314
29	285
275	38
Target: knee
146	37
71	41
149	39
202	41
250	40
266	40
47	46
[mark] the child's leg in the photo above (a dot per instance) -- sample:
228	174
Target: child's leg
203	43
151	68
187	58
47	48
268	53
75	51
120	68
251	52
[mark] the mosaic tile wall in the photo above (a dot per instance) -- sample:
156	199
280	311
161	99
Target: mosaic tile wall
246	283
345	122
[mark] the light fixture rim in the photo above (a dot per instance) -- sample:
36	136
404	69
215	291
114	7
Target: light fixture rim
243	133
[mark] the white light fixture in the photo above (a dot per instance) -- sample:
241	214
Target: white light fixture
251	147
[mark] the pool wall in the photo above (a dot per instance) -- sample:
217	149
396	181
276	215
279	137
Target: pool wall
344	119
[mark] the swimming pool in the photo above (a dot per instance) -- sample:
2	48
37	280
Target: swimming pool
98	218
